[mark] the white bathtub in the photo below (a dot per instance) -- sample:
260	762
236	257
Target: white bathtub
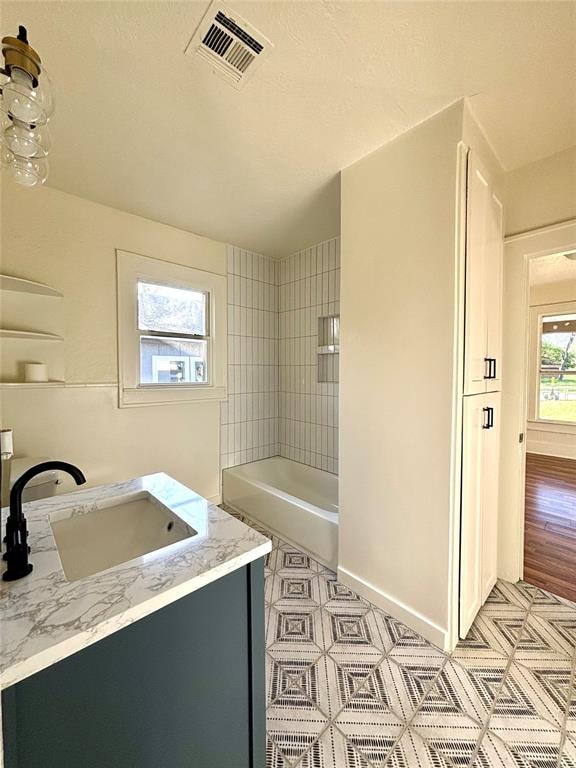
297	502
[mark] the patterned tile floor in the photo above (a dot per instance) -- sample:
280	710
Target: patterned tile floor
348	686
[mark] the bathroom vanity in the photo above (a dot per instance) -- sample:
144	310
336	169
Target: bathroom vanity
156	661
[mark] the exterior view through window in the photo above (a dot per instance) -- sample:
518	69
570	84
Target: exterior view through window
557	375
173	324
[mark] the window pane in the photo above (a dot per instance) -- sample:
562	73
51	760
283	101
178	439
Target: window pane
172	310
557	401
173	361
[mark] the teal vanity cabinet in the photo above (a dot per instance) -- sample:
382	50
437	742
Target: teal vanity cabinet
183	687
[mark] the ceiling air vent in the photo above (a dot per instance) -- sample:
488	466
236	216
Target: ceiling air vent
229	44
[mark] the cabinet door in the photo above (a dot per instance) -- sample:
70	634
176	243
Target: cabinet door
493	293
471	522
490	478
479	201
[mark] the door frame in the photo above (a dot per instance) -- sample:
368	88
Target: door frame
519	250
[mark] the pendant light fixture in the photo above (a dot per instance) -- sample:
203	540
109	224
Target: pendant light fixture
26	105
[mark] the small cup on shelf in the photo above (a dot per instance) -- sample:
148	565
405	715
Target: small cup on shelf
35	373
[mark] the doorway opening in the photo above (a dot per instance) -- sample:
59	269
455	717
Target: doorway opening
550	478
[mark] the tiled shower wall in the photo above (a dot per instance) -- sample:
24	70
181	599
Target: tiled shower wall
275	404
249	419
309	288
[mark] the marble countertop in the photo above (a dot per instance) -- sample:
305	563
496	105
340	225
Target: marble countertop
44	618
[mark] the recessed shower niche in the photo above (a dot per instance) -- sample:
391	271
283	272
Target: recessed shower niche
328	352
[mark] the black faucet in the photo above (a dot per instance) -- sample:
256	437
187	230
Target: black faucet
17	548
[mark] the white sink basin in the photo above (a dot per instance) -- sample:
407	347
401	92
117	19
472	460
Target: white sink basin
116	531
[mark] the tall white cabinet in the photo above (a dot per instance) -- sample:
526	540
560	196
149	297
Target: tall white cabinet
481	390
483	323
479	521
408	279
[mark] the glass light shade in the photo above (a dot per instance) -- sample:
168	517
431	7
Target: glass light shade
25	141
26	103
28	172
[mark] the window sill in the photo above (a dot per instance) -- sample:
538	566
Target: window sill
166	395
540	425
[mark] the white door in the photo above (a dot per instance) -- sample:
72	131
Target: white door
490	468
493	294
477	226
471	538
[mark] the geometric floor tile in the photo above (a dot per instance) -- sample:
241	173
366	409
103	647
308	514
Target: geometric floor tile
283	682
423	661
533	740
411	751
568	756
565	625
541	638
543	602
481	659
349	686
389	628
373	733
501	626
494	753
290	561
411	639
351	631
520	594
354	671
274	758
293	731
494	632
301	590
390	687
297	629
326	685
452	734
571	710
333	750
458	690
334	594
540	690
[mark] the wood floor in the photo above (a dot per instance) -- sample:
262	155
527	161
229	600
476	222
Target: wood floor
550	534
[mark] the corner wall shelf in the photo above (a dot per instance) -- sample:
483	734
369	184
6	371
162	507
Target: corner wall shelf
21	285
14	333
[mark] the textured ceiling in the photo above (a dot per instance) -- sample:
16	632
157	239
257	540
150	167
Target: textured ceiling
141	127
552	269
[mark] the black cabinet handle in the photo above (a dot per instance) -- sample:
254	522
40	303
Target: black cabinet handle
490	367
488	418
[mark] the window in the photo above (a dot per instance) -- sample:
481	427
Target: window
171	332
557	368
174	328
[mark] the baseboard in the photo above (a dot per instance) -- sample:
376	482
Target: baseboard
543	448
428	629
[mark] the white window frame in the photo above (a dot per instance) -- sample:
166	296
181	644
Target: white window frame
132	268
537	313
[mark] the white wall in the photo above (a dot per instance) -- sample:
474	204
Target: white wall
553	293
70	243
396	372
541	193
